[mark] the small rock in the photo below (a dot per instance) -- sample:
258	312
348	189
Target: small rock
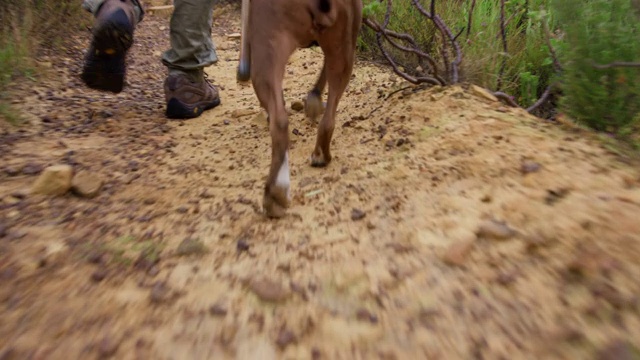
494	229
530	167
3	230
457	253
54	180
357	214
99	275
242	245
619	350
160	292
297	106
226	121
217	310
241	112
190	246
86	184
234	36
32	169
268	290
285	337
11	171
365	315
182	209
108	347
483	93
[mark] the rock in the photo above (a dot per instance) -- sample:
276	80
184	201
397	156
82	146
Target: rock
99	275
483	93
529	166
268	290
32	169
218	310
190	246
297	106
456	254
160	293
238	113
285	337
242	245
357	214
108	347
86	184
226	121
493	229
618	350
3	230
54	180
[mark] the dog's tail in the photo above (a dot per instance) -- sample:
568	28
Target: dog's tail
244	65
324	13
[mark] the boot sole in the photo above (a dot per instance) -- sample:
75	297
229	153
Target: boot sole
177	110
105	67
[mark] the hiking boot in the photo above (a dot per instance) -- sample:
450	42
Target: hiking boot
104	66
187	98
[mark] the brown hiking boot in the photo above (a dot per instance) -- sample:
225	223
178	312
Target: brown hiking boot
187	98
104	66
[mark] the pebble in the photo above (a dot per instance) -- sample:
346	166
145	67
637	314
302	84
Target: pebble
493	229
190	246
268	290
86	184
357	214
457	253
530	167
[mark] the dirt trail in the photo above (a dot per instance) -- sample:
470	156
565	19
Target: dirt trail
447	227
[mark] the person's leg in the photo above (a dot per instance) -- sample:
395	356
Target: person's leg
187	92
115	22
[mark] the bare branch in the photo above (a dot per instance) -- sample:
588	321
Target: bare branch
473	6
543	99
616	64
503	34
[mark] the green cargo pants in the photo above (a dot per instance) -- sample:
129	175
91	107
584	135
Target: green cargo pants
191	46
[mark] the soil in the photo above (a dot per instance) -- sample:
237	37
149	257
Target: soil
448	226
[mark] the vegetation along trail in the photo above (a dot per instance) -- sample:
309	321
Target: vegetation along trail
448	226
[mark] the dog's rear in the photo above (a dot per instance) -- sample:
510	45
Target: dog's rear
271	31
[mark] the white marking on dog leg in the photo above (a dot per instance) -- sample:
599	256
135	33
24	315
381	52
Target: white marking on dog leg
283	180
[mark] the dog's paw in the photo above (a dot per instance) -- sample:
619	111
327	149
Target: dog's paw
313	106
276	201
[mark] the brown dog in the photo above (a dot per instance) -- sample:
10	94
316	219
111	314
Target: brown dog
271	31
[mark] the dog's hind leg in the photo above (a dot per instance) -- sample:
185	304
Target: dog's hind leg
313	106
339	66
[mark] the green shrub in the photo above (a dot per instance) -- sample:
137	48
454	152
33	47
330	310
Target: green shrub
600	32
528	67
